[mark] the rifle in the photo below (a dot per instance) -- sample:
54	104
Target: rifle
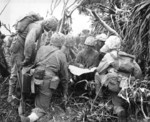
21	108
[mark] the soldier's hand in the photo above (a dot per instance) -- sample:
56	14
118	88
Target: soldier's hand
81	66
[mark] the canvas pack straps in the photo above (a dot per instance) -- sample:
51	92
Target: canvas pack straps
46	58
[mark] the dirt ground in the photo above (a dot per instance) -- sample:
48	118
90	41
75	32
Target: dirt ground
78	109
8	113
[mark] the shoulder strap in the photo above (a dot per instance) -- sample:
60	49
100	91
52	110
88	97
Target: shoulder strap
120	53
47	57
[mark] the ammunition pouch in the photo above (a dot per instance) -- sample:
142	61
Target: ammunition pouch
31	80
54	82
39	73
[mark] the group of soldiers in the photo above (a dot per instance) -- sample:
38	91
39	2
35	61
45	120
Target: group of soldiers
51	53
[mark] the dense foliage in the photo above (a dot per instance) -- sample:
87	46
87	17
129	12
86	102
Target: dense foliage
131	19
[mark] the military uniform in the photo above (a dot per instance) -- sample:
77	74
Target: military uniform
33	34
7	50
23	48
53	61
3	64
109	71
88	60
69	48
88	57
17	56
55	65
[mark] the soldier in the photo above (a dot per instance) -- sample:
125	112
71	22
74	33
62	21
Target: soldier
53	62
69	48
80	43
3	64
46	38
111	68
7	45
88	57
100	42
32	33
16	58
23	48
101	38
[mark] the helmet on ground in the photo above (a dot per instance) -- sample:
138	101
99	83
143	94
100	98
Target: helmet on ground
51	24
101	37
57	39
90	41
113	42
69	41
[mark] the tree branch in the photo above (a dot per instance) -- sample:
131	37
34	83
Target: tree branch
7	28
71	5
62	23
93	13
57	3
65	5
75	7
65	10
53	5
110	9
4	7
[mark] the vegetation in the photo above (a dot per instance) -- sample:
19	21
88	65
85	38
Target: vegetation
131	20
137	34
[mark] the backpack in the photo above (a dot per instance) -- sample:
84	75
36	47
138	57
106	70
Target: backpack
124	62
22	24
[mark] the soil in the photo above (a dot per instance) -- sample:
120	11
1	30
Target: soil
76	109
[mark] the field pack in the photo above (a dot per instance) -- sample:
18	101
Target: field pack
22	24
125	65
125	62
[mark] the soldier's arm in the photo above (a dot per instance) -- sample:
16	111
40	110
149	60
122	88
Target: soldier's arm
15	45
64	74
79	60
104	64
96	60
30	40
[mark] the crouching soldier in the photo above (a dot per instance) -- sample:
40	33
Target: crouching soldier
51	62
88	57
115	65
